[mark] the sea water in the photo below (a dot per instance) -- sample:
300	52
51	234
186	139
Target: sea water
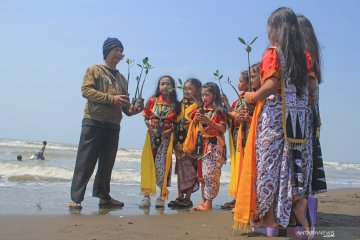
43	186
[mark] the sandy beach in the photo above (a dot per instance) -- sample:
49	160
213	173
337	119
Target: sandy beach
338	218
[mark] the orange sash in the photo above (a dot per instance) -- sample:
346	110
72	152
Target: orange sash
246	193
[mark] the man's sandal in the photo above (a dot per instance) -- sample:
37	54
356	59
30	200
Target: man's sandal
74	206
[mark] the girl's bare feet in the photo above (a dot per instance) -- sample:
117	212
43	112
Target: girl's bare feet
205	206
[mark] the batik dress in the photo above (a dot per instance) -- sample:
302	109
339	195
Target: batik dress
210	146
157	151
186	164
281	134
303	166
316	172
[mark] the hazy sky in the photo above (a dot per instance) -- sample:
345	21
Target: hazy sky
46	47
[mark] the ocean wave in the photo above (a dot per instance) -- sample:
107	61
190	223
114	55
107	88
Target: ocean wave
59	146
16	172
33	144
347	181
342	166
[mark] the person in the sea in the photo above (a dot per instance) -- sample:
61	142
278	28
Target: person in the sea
40	154
160	114
105	89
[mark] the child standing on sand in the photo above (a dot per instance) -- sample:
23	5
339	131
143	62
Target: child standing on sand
239	122
277	132
186	164
205	138
160	115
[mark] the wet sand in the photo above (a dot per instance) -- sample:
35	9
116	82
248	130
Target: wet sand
338	218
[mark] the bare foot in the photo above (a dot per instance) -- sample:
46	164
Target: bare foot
300	211
202	208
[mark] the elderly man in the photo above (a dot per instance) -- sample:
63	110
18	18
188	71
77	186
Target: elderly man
105	89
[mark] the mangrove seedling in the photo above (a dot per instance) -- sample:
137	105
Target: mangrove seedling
233	87
144	66
129	63
219	77
248	50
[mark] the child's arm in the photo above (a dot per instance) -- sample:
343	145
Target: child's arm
269	87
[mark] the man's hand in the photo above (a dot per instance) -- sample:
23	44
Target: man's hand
121	100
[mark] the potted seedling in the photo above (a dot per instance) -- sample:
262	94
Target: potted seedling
248	50
138	101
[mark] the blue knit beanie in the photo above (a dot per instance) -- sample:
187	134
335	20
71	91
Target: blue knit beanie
109	44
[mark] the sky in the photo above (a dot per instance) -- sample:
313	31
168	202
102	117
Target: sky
46	47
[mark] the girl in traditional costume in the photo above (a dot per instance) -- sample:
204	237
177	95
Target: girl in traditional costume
186	164
160	115
205	138
239	119
318	183
277	134
309	172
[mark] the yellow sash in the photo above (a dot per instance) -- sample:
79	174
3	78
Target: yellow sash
148	177
185	113
246	194
190	141
237	155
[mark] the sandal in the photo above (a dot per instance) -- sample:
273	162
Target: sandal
267	231
229	205
185	204
74	206
175	203
110	203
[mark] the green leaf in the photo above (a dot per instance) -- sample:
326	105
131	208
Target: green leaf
242	40
180	87
253	40
221	77
145	60
170	88
146	71
248	49
139	65
180	82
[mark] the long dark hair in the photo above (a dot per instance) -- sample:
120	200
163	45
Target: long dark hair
197	84
311	44
245	75
217	102
284	24
172	94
